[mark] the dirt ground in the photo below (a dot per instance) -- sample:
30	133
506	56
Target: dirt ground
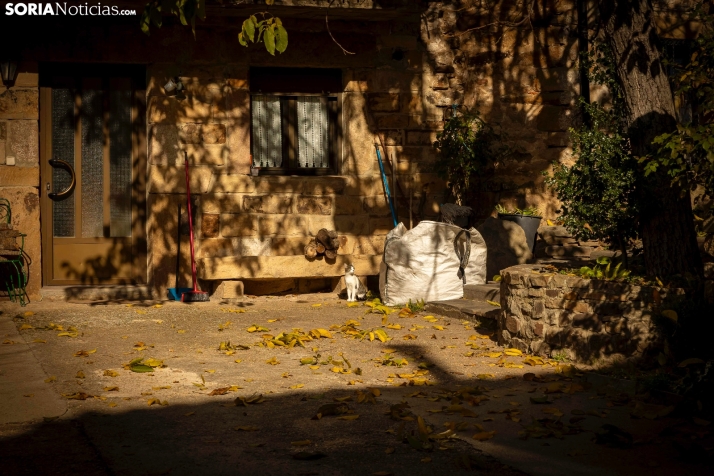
438	397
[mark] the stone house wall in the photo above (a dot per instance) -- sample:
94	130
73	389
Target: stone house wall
410	66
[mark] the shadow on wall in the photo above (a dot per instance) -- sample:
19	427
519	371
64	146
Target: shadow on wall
522	79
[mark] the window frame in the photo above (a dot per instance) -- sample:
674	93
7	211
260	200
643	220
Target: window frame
289	139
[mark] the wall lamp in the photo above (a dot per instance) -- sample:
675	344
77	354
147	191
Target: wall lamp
8	69
173	84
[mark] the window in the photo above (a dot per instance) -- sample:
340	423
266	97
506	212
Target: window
295	126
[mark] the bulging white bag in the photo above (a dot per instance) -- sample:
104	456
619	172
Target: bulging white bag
432	262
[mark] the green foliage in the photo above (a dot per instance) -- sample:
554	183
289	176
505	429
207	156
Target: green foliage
467	147
528	211
598	193
270	29
417	306
604	270
687	154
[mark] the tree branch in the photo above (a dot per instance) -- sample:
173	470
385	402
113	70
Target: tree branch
327	24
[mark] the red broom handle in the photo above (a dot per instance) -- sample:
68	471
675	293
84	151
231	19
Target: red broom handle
190	225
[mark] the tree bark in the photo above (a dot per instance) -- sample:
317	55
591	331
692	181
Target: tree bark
666	220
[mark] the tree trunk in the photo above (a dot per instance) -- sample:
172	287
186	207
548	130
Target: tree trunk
666	220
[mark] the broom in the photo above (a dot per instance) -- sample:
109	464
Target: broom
194	295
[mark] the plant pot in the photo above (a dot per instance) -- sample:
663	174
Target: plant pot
529	224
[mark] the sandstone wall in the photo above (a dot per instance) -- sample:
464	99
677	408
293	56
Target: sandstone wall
407	72
19	183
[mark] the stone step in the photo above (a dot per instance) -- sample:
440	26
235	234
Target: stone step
569	251
466	309
483	292
119	292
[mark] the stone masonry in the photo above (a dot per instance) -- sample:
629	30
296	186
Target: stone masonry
546	313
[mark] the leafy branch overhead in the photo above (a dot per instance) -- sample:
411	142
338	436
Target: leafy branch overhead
270	30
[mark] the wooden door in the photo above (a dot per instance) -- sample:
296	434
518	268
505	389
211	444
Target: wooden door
93	174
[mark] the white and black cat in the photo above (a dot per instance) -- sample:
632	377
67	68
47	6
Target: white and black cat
355	288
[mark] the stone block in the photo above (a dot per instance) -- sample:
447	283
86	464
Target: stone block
19	176
405	42
19	103
345	205
202	133
222	203
167	146
376	206
279	267
553	119
229	289
366	245
268	204
172	179
238	225
538	329
440	81
170	110
565	318
392	121
3	130
319	186
538	310
536	292
218	247
380	226
435	123
554	293
587	321
285	225
210	225
351	225
616	326
555	235
577	306
289	245
23	142
606	308
237	148
314	205
569	251
231	105
233	183
425	138
256	246
384	102
392	137
278	184
513	325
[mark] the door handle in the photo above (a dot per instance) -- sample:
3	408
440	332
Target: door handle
67	191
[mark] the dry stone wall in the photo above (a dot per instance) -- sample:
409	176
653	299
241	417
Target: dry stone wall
547	313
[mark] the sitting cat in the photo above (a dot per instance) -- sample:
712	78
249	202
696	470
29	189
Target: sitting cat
355	288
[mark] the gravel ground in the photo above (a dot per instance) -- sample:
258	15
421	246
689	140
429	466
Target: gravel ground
250	409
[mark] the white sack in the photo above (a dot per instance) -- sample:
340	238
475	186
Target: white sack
428	263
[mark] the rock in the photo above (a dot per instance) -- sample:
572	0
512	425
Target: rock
506	245
555	235
569	251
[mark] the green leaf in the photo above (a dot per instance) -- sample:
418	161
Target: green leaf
141	368
201	9
269	40
241	39
249	29
281	36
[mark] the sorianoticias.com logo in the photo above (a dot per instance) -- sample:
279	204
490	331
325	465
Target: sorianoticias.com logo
64	9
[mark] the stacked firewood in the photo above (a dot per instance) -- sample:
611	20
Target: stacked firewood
325	243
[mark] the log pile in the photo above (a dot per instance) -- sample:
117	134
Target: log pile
325	243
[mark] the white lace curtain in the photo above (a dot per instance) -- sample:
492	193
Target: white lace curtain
267	133
313	129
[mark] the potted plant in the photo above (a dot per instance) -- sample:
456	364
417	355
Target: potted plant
527	218
467	147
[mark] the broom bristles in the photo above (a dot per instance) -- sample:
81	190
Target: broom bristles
195	296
